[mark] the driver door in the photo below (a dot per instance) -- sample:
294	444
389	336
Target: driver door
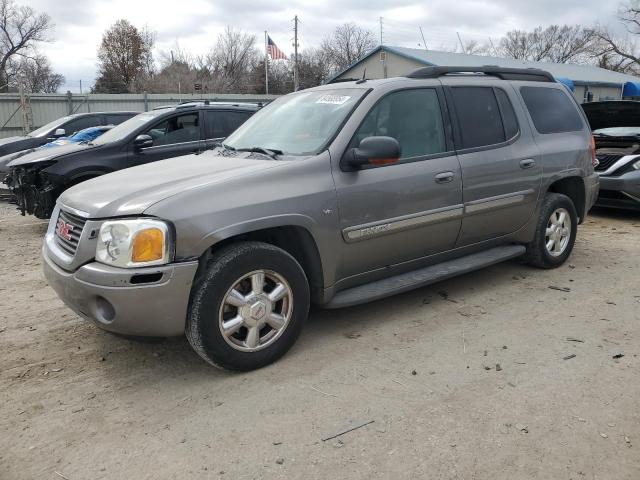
172	137
410	209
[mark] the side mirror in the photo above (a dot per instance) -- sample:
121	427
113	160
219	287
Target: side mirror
377	151
142	141
59	132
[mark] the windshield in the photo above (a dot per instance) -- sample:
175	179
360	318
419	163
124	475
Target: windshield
297	124
126	128
42	131
618	131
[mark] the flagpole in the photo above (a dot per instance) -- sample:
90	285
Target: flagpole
266	64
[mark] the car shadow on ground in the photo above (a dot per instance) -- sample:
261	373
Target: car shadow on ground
325	330
615	213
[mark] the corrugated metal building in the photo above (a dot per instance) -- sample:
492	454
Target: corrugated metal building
587	83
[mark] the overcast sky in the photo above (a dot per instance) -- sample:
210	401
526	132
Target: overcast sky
194	24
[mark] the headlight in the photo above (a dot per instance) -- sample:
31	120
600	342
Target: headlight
636	165
134	243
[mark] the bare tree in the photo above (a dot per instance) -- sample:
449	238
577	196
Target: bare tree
21	28
124	58
313	67
555	43
231	60
37	75
621	52
347	44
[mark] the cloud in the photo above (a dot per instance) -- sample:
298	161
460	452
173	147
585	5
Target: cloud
195	24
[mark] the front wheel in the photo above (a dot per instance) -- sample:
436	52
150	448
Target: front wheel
248	307
555	232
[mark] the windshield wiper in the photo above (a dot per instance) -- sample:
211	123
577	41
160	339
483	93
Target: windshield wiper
270	152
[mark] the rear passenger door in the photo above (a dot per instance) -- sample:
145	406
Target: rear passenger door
501	167
172	137
219	124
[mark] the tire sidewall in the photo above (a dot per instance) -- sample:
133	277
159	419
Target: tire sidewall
222	273
558	201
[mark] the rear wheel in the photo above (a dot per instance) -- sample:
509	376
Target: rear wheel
248	307
555	232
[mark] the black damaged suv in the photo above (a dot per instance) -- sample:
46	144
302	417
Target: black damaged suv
37	179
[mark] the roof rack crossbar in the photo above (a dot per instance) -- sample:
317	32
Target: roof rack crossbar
503	73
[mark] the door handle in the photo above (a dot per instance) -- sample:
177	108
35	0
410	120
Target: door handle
527	163
444	177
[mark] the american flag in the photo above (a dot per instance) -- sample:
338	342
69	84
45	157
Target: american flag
273	51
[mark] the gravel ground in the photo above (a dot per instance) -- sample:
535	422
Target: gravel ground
466	379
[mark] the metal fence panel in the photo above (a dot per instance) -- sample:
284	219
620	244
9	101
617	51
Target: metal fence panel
47	107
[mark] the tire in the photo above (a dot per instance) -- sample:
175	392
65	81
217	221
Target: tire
538	254
214	303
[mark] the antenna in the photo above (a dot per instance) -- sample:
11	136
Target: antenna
364	77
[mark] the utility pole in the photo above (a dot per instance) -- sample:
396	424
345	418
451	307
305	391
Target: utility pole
380	31
80	87
296	80
26	109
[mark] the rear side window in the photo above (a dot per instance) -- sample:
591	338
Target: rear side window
234	119
214	126
551	110
116	119
412	117
478	116
509	119
81	123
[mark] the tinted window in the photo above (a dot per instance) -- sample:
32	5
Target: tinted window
410	116
551	110
81	123
116	119
478	116
214	125
509	119
180	129
234	119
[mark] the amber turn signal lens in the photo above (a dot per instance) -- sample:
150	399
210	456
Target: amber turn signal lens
148	245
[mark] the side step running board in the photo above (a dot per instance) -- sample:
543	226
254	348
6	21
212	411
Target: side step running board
424	276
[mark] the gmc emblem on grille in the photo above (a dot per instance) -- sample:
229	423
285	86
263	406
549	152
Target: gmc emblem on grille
64	229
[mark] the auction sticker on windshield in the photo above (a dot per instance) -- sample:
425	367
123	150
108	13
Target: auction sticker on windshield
333	99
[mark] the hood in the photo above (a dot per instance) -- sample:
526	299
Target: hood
133	190
15	144
7	159
45	154
620	113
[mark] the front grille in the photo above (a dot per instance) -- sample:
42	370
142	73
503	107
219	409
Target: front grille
72	225
606	161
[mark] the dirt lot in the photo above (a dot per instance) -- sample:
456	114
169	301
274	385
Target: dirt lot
79	403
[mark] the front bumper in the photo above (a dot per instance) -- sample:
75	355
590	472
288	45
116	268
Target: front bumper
622	191
116	300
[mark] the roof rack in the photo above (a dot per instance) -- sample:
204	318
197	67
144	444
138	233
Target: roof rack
530	74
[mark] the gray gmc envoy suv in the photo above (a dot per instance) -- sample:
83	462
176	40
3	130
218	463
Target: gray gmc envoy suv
335	195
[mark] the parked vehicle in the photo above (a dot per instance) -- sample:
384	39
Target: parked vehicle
58	128
83	136
616	130
37	179
336	195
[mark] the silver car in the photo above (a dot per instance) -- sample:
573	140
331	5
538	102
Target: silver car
336	195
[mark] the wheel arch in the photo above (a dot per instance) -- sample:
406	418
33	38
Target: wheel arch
574	188
295	239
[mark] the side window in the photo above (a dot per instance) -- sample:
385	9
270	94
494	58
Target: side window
80	123
551	110
412	117
180	129
233	120
478	116
214	124
509	119
116	119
